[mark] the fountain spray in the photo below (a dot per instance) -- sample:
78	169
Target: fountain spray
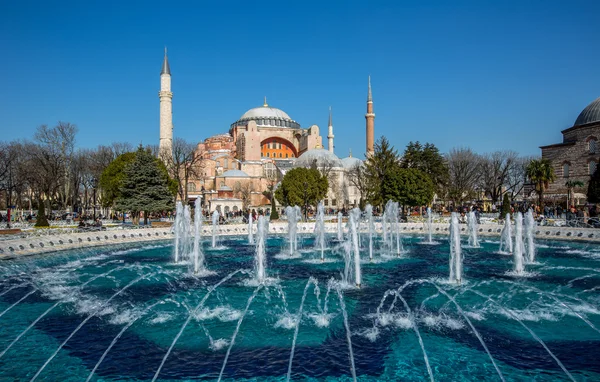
371	225
198	255
215	222
472	224
519	246
320	230
506	243
529	231
455	250
354	219
250	233
260	261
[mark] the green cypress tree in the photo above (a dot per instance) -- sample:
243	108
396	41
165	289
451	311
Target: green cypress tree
145	187
41	220
378	169
505	206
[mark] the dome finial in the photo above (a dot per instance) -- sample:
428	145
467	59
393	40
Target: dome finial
350	155
265	104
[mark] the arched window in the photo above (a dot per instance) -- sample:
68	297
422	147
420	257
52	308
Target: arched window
592	167
270	171
592	146
565	170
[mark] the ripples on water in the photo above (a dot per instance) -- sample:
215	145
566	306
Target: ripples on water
385	346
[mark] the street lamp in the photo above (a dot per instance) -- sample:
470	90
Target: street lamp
305	201
95	185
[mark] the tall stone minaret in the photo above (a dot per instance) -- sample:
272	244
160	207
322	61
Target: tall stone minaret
370	117
330	135
166	109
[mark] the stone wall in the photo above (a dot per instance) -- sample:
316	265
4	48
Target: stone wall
32	245
575	152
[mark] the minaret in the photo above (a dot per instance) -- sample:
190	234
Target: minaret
166	109
330	135
370	117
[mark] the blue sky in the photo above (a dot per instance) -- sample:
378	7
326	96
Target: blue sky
481	74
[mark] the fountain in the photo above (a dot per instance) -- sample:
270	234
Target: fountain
371	228
250	233
177	228
215	223
340	228
519	246
429	226
141	308
354	221
181	228
320	230
198	254
473	227
455	250
506	242
260	260
293	214
391	228
529	233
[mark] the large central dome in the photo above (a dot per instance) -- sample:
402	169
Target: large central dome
265	112
267	116
590	114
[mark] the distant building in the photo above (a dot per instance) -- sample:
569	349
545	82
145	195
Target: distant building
259	148
576	157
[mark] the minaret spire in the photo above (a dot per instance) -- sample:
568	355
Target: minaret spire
370	117
165	68
330	135
166	111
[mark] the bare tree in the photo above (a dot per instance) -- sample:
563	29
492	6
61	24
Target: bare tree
183	165
11	181
494	171
244	191
357	177
59	143
119	148
516	178
43	172
463	166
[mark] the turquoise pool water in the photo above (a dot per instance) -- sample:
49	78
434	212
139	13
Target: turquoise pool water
63	313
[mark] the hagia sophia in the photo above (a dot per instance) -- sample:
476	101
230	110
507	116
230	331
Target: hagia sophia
259	148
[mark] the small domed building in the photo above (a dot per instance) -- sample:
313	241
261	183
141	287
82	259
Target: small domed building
576	157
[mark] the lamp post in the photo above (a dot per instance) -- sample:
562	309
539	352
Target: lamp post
305	201
95	185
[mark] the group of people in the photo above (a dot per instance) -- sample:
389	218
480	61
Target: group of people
85	224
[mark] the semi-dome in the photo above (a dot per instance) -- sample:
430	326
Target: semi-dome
267	116
590	114
322	156
234	174
350	162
